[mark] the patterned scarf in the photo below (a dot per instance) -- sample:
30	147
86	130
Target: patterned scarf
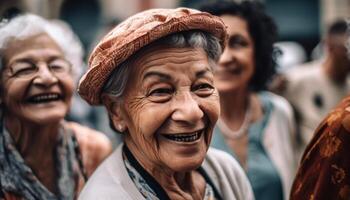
18	179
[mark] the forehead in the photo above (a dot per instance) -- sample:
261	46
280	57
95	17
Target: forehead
179	60
235	24
28	46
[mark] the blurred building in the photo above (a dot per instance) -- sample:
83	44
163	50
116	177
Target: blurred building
298	20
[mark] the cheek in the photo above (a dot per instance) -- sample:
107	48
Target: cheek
143	121
251	61
68	87
247	59
147	117
211	107
13	92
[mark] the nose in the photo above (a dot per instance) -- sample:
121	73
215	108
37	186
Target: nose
44	76
187	109
226	57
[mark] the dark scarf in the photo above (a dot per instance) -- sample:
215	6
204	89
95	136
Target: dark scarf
18	179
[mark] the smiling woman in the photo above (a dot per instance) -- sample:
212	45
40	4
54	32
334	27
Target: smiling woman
153	73
255	126
42	156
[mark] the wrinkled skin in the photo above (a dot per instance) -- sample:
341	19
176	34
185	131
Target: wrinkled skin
16	91
34	126
171	91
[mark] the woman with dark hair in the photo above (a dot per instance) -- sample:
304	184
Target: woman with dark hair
255	126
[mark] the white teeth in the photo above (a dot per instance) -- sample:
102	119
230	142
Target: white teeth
44	97
185	137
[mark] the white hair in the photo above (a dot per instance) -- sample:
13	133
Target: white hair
27	25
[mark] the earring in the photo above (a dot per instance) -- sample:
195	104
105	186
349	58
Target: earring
121	128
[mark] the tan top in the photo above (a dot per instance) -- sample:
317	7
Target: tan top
136	32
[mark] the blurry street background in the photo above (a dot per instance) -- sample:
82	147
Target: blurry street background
301	24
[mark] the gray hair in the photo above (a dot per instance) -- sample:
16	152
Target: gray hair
117	81
27	25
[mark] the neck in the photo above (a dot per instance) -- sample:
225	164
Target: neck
332	69
178	185
34	142
234	104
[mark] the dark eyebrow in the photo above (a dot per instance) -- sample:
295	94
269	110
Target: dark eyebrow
158	74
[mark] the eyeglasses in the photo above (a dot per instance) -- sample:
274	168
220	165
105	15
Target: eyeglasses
28	69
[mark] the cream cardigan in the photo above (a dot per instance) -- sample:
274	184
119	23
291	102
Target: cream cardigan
280	141
111	181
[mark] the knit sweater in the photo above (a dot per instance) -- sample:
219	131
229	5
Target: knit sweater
111	180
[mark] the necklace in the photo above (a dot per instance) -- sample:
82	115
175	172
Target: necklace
229	133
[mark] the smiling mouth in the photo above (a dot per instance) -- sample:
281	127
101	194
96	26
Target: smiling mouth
45	98
187	137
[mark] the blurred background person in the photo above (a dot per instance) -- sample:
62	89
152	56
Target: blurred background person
255	126
315	88
42	156
154	74
325	166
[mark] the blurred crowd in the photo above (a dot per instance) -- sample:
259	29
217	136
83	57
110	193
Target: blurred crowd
274	113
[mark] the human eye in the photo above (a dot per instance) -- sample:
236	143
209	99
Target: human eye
161	93
203	89
22	69
59	65
237	42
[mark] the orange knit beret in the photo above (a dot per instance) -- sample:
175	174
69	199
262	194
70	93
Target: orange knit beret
136	32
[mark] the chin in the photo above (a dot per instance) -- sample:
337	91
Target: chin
186	164
48	120
48	117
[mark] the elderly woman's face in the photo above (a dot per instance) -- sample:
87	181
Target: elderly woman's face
170	107
36	81
236	64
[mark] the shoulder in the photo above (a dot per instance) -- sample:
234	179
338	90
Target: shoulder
338	118
105	183
325	156
220	160
332	134
303	77
221	157
280	104
226	172
304	71
94	145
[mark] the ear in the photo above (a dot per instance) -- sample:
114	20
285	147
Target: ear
115	113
